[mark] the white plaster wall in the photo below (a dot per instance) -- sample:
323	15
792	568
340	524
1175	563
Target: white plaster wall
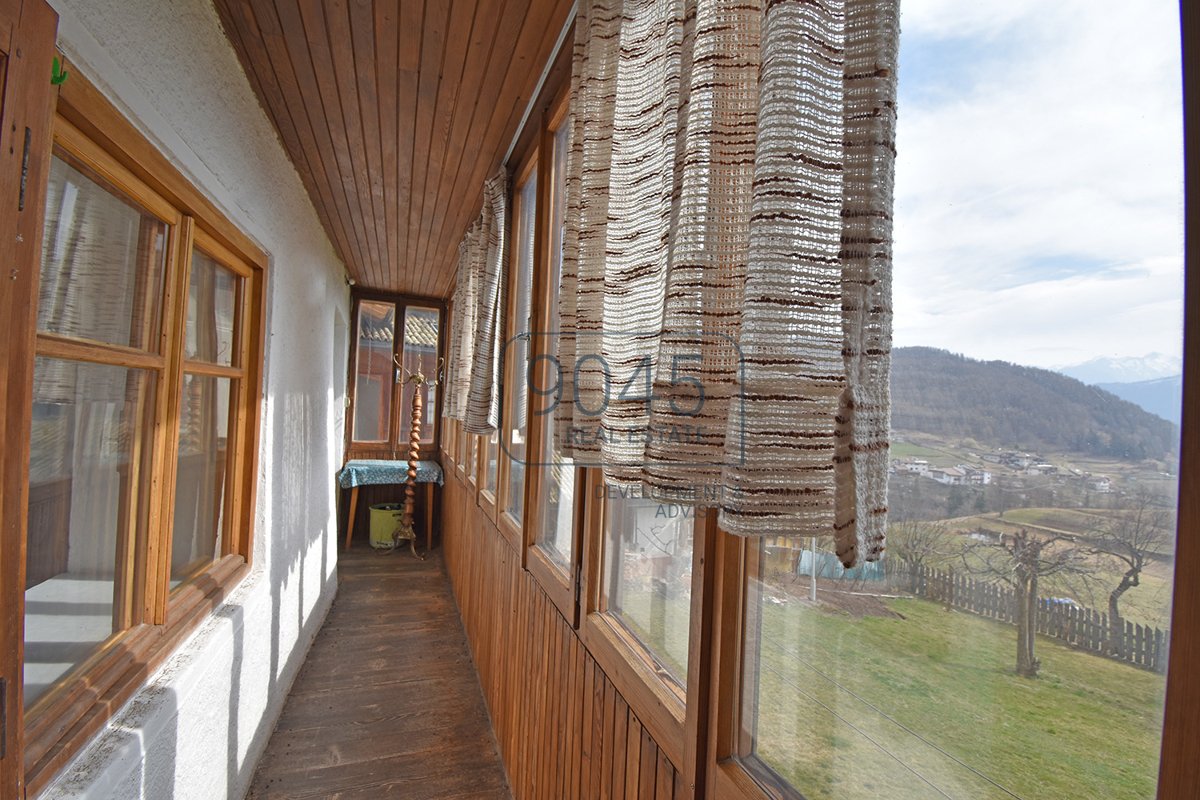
197	729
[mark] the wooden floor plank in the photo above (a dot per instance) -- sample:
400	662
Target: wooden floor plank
387	703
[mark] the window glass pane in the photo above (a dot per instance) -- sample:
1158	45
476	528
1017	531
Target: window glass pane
648	576
1012	641
200	474
212	295
516	434
102	261
420	355
492	446
88	497
472	456
557	502
374	372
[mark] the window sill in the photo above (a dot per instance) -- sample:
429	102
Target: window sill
61	722
554	580
658	703
510	529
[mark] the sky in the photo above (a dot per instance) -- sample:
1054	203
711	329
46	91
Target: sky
1039	179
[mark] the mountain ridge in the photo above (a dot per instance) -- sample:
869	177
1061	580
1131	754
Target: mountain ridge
1009	405
1162	397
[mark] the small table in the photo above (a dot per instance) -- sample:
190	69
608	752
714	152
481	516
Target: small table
370	472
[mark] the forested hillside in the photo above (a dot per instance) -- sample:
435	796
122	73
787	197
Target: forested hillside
1005	405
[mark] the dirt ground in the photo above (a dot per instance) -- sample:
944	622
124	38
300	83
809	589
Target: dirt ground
857	601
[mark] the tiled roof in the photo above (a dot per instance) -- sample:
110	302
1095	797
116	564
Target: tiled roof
418	330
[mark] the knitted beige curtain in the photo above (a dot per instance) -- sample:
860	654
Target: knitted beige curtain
728	247
461	346
473	393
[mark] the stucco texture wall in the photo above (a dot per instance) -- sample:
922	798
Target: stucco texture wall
196	730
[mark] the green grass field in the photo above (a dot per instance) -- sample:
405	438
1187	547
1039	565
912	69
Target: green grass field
1149	603
927	705
910	450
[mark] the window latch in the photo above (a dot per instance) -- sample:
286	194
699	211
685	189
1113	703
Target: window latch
578	589
24	171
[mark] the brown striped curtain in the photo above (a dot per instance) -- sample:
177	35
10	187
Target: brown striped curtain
473	393
728	240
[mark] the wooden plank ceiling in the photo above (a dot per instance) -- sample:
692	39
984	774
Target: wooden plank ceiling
394	113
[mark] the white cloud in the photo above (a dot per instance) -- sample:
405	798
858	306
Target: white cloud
1039	191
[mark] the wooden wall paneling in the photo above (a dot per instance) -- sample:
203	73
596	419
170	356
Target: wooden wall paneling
310	16
552	753
531	54
313	87
646	770
564	729
361	35
608	757
620	740
600	747
279	36
387	81
296	134
527	757
562	745
665	776
490	51
412	18
27	30
587	743
467	22
433	45
333	49
349	84
633	758
575	720
394	112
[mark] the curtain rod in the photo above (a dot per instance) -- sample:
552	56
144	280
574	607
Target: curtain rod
562	35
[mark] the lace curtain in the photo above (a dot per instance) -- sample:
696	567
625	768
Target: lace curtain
473	393
725	313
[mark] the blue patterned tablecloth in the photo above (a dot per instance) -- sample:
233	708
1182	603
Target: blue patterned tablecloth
364	471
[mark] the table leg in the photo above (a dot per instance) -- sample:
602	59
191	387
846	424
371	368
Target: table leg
350	519
428	516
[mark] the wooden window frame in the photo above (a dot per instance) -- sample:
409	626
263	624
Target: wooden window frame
732	775
559	583
59	723
27	32
727	777
396	446
511	528
674	715
485	498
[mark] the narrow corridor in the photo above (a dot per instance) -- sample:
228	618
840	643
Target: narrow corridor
388	703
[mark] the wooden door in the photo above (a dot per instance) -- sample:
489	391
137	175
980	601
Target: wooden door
27	31
393	338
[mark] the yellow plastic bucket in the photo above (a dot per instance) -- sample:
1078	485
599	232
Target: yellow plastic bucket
385	519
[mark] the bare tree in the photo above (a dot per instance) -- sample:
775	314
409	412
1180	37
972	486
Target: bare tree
1021	560
1141	529
919	543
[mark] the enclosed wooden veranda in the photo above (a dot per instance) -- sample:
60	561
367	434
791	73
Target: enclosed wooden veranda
238	233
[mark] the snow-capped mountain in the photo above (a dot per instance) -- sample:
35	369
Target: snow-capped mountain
1124	369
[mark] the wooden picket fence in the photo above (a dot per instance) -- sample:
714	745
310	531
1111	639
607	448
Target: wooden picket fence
1083	628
